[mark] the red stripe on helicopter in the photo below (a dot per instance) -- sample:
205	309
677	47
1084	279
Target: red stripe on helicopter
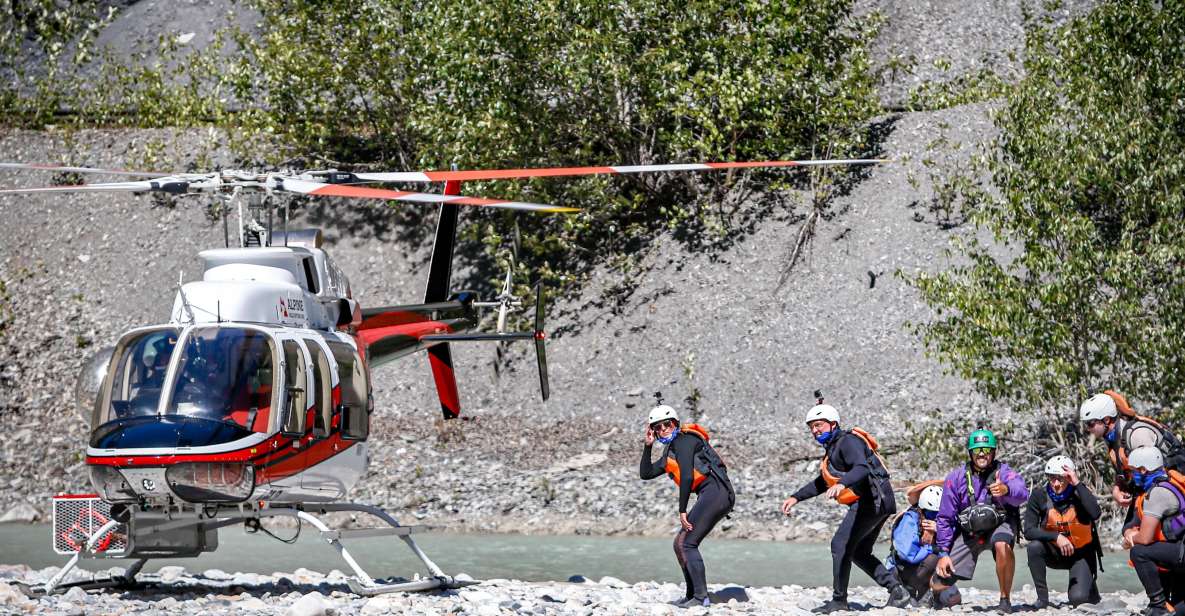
391	319
273	449
412	330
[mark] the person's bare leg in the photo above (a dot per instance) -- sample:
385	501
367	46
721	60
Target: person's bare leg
1005	568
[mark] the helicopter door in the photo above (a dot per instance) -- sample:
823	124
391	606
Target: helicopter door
294	413
323	461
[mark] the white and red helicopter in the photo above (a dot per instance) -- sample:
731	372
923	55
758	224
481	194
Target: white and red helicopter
254	400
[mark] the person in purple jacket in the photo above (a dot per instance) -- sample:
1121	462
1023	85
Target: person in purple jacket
980	510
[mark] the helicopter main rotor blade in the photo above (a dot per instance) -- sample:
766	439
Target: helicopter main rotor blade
67	169
173	185
502	174
306	187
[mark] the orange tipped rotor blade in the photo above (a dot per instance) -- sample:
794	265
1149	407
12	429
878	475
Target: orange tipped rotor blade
502	174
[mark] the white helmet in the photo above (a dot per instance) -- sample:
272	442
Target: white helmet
822	411
930	498
1147	458
662	412
1057	465
1099	406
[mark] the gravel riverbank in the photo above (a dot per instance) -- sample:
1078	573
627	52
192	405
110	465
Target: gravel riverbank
308	593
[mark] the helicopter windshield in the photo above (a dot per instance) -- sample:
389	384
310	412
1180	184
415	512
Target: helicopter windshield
225	374
138	373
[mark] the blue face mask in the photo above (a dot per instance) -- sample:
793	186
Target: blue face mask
824	437
1145	481
930	515
1111	434
667	440
1059	498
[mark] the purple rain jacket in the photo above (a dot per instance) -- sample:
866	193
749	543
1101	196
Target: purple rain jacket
955	499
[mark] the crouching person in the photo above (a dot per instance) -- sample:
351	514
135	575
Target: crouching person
980	511
1060	523
695	467
912	549
1157	539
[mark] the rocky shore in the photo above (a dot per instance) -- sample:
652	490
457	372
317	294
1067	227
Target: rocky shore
175	591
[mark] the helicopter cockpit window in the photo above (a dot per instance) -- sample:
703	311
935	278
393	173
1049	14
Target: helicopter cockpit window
138	374
225	374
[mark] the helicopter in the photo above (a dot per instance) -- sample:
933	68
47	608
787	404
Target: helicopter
253	401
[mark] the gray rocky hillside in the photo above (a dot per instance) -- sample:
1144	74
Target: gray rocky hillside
79	269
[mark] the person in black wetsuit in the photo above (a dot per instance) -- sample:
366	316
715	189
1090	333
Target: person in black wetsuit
691	462
1059	523
853	475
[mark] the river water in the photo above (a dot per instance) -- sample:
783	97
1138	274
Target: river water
529	558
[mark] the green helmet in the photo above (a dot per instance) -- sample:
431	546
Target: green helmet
981	438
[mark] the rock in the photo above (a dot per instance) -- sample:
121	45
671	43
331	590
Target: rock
217	574
729	593
380	605
476	596
612	582
554	597
171	574
579	461
22	513
578	579
255	604
66	607
463	577
312	604
305	576
1108	605
76	595
12	597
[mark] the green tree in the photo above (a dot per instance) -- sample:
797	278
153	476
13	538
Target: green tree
412	84
1081	288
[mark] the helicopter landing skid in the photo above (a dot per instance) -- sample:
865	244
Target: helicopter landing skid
362	583
55	585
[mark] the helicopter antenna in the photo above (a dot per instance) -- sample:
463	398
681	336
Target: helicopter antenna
234	196
225	222
181	294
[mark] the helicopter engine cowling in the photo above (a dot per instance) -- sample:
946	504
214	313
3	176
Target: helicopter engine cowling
90	381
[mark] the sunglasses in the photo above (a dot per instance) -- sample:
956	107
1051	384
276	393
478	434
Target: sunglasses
1092	423
982	451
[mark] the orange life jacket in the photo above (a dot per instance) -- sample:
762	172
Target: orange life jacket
1067	523
672	465
830	477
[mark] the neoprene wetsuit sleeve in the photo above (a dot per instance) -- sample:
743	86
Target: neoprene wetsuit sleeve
648	469
685	455
811	489
1034	526
1090	504
854	452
